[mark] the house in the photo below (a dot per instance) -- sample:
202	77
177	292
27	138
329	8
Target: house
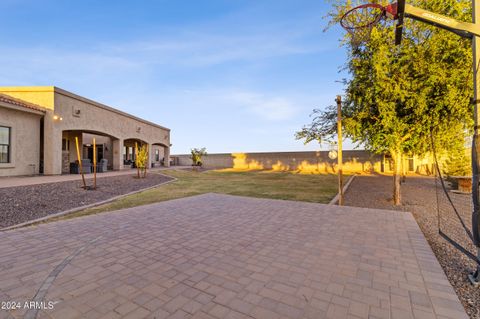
39	127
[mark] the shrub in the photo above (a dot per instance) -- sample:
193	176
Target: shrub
197	154
141	160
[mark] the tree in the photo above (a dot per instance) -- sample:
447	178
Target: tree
322	128
141	160
457	163
397	97
197	154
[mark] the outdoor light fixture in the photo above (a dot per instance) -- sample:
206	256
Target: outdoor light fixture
57	118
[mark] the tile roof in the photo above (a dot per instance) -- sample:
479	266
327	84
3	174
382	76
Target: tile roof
17	102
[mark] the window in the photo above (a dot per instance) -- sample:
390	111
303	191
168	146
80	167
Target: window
411	165
157	156
388	162
5	144
65	145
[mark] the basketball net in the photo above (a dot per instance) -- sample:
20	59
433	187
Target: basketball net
359	22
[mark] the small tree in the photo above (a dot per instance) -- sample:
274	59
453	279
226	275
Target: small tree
141	160
197	154
458	164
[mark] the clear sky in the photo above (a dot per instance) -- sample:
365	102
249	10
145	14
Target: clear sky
231	75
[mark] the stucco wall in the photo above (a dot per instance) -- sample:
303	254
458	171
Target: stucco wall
354	161
80	114
98	119
25	142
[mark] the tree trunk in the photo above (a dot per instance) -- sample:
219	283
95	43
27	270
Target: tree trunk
404	174
397	158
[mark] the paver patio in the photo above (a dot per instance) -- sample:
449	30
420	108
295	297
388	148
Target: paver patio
220	256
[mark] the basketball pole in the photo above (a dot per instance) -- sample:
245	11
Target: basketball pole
475	277
471	30
94	164
339	152
467	30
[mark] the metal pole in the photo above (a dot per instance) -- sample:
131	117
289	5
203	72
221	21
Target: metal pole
148	160
475	277
80	162
94	164
339	158
135	160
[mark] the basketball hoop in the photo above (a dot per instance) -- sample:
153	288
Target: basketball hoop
360	21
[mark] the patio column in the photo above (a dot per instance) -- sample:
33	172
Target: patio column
52	146
149	157
167	156
117	154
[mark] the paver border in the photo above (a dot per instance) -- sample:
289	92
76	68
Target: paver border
334	201
76	209
32	313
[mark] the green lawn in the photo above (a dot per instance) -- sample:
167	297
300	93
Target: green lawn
265	184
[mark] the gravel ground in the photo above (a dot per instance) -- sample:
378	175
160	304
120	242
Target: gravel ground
24	203
419	196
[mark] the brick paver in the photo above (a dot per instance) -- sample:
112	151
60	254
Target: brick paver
220	256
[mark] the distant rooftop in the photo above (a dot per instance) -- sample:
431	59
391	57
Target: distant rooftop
14	101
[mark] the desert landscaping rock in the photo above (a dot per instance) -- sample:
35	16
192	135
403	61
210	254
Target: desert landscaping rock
24	203
419	198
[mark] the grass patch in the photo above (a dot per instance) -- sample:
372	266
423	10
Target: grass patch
263	184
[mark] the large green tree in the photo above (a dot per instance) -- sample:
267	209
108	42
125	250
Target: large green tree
396	97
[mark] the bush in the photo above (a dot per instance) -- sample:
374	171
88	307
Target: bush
458	164
141	160
197	154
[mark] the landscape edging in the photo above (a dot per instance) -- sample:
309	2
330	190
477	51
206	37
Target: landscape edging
344	190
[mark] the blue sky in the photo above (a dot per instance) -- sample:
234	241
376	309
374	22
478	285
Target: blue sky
231	76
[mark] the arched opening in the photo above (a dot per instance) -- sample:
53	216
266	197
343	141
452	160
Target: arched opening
160	155
104	150
129	154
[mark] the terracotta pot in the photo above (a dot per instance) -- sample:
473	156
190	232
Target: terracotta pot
465	184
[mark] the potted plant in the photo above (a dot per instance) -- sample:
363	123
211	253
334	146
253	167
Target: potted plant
458	171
